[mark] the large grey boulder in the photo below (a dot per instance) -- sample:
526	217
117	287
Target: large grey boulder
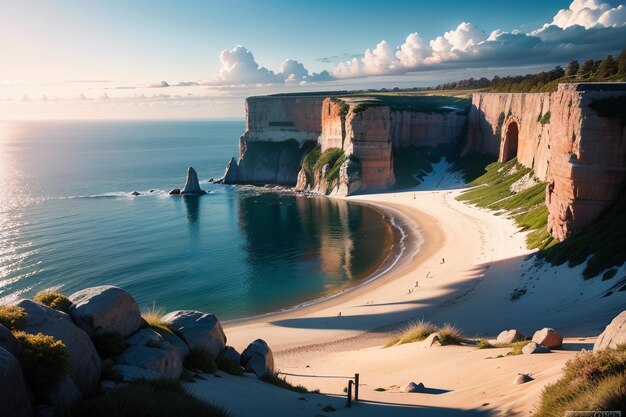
177	342
258	358
230	354
165	361
84	361
14	401
522	379
613	335
105	309
145	337
192	185
199	330
131	373
63	395
9	342
548	337
231	172
533	347
412	387
509	336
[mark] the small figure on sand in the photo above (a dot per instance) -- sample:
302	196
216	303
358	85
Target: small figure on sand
339	315
443	260
417	284
413	196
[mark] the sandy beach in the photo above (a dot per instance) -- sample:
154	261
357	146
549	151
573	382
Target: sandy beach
469	263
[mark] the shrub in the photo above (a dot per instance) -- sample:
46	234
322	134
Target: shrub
160	398
109	345
274	379
416	332
12	317
153	317
54	300
592	381
44	360
484	344
517	347
229	367
200	360
450	335
545	119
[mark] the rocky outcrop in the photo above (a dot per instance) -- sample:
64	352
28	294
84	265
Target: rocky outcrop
231	174
230	355
580	153
412	387
199	330
62	395
131	373
409	128
192	184
509	336
257	358
84	361
548	337
9	342
163	359
14	399
613	335
105	309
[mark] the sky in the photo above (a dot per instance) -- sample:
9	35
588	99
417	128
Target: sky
76	59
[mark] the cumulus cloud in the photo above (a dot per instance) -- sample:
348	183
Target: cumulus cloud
587	27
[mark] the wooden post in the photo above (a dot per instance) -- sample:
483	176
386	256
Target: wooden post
356	388
350	393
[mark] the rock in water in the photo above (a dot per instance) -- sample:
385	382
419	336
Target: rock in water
192	185
613	335
548	337
232	172
174	191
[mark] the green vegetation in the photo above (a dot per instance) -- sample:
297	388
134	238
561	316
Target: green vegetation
415	332
160	398
12	317
200	360
602	245
54	300
379	389
153	316
229	367
472	166
412	163
109	345
592	381
309	161
527	207
314	161
274	379
344	108
545	119
417	102
516	347
44	360
484	344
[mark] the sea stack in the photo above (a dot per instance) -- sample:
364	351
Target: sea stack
192	185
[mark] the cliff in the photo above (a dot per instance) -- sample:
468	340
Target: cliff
578	150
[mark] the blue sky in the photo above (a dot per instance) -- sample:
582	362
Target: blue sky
128	45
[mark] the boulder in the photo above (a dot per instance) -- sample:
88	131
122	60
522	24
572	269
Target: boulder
84	361
9	342
258	358
105	309
548	337
107	385
231	172
145	337
165	361
135	193
174	191
131	373
177	342
614	334
414	388
62	395
199	330
522	379
14	399
230	354
509	336
533	347
192	185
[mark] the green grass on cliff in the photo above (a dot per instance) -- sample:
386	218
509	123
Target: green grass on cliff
315	160
493	190
412	163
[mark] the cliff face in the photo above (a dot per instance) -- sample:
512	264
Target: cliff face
581	154
426	129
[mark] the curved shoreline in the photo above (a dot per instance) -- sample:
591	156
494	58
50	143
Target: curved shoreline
423	236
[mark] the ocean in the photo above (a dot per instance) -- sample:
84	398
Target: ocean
68	221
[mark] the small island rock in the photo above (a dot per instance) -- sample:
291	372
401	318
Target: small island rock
192	185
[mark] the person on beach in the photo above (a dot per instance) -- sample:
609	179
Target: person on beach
417	284
443	260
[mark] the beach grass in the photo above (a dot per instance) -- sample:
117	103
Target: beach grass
12	317
484	344
450	335
153	316
275	379
54	300
159	398
516	347
415	332
592	381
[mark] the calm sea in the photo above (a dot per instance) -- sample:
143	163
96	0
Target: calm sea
68	221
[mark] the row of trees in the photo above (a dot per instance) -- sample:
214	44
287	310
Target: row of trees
608	69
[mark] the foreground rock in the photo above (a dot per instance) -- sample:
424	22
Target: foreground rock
231	173
131	373
62	395
84	361
613	335
548	337
176	342
412	387
9	342
174	191
106	309
230	355
522	379
192	185
164	360
533	347
257	358
509	336
14	399
199	330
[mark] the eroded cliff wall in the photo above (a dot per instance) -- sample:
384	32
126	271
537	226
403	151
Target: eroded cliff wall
580	153
427	129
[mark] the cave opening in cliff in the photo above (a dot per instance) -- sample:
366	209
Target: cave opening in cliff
509	148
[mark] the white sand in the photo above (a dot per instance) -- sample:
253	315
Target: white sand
484	263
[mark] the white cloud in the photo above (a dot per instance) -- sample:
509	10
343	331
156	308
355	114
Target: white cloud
413	51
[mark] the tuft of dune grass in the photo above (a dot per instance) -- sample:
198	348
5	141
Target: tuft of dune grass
450	335
516	347
415	332
153	316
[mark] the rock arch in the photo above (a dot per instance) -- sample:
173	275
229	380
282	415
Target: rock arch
510	140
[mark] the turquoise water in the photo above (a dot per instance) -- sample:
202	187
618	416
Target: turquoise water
68	221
